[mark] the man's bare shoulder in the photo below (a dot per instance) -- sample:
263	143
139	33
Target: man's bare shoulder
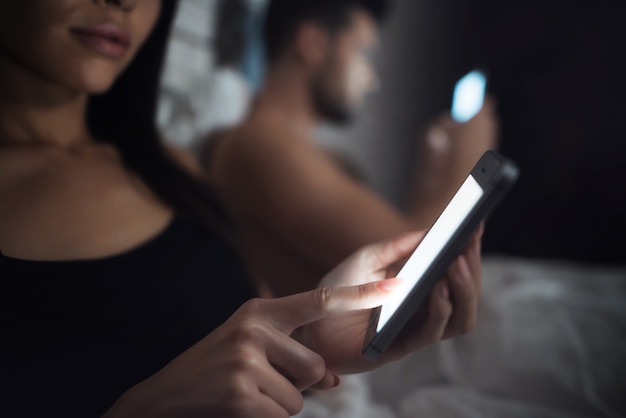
266	126
265	138
268	156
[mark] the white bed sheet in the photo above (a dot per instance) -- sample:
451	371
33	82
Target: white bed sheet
550	342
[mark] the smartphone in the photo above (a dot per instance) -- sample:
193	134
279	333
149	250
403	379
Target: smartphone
468	95
488	182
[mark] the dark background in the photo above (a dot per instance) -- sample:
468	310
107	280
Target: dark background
557	70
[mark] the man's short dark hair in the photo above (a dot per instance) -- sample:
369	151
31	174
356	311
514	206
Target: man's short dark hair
282	18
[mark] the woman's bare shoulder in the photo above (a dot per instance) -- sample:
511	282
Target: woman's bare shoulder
56	204
18	164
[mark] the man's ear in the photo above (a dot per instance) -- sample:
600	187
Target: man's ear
311	43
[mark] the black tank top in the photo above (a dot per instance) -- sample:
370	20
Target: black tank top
75	335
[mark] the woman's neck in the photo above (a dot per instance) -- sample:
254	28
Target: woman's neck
35	111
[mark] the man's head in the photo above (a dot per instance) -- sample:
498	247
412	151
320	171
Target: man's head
333	42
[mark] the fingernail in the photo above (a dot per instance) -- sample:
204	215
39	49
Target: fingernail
337	381
445	293
390	284
466	274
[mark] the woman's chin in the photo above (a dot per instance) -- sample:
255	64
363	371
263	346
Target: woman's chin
99	89
86	85
96	80
98	85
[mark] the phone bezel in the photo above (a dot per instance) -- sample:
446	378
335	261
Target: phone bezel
496	175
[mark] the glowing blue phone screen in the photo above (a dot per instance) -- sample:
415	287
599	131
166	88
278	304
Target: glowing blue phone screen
468	96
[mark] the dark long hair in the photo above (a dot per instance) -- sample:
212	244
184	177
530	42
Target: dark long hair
125	116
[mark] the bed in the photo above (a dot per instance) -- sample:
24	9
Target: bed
550	342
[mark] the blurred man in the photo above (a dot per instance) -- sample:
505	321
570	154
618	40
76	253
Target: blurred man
298	211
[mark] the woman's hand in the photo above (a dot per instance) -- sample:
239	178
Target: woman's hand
450	310
249	366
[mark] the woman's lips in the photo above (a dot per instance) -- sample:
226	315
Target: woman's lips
108	40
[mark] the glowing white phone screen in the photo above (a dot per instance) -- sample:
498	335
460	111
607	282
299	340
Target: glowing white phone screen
431	246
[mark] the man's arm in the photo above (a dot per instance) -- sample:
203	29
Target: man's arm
299	207
289	194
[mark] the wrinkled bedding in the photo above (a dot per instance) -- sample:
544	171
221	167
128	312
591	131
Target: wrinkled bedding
550	342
